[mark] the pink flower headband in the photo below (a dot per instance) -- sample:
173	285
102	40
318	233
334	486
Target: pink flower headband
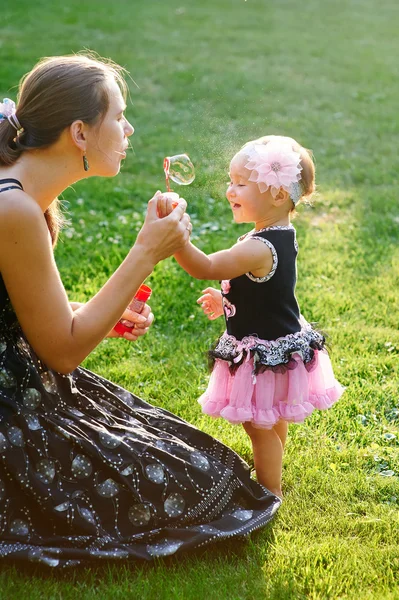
7	111
275	165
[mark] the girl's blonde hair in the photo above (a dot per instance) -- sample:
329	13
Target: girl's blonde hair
308	172
56	92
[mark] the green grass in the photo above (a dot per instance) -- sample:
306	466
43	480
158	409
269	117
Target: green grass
212	75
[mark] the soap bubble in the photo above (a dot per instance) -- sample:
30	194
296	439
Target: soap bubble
179	169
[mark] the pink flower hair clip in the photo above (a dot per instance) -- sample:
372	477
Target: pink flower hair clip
275	165
7	111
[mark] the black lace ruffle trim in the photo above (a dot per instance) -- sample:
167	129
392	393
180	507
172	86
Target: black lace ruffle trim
276	355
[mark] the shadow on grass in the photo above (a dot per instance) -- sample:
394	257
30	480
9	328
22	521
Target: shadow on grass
246	554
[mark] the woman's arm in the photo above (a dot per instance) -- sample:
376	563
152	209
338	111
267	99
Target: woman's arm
243	257
61	337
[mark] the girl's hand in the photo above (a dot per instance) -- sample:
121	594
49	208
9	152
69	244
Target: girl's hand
165	205
211	303
142	322
161	237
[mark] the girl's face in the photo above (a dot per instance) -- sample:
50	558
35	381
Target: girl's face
248	204
107	142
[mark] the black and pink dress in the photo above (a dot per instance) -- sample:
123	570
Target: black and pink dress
270	364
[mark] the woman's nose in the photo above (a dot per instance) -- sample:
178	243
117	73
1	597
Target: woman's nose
129	129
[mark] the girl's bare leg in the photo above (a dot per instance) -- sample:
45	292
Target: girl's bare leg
281	429
268	449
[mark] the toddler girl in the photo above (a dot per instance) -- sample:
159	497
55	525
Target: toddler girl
271	366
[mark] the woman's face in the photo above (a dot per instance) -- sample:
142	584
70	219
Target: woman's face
107	142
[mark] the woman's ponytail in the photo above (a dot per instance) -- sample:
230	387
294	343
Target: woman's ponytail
9	152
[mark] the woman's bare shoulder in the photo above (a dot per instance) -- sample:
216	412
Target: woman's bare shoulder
20	214
16	205
22	225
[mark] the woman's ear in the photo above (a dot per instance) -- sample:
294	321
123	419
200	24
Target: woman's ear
78	133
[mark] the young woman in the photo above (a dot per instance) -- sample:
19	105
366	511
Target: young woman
87	469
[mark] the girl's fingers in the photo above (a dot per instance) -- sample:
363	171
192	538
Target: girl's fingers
204	298
170	205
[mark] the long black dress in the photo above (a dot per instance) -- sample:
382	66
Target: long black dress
89	471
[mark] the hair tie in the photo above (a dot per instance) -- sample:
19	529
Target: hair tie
7	111
275	165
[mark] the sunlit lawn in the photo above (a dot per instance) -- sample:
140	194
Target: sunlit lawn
209	76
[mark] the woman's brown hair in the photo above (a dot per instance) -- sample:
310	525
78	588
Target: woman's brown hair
58	91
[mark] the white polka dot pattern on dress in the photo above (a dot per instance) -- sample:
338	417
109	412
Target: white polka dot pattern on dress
242	514
19	527
155	473
109	440
200	461
7	379
3	443
16	436
2	490
49	382
127	470
108	488
127	398
33	422
174	505
164	548
139	514
86	514
31	398
81	467
40	556
62	507
45	470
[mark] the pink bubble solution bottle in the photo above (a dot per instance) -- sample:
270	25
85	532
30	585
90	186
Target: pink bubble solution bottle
137	304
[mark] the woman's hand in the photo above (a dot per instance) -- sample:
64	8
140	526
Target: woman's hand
162	237
211	303
142	322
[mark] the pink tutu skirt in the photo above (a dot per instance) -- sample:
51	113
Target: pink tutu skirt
266	398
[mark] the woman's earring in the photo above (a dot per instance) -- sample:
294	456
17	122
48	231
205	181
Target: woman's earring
85	162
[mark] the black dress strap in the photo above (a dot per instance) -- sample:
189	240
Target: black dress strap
18	185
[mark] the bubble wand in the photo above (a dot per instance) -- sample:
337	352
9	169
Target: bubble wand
179	169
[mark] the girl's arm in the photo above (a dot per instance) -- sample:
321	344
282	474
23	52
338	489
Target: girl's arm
243	257
61	337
